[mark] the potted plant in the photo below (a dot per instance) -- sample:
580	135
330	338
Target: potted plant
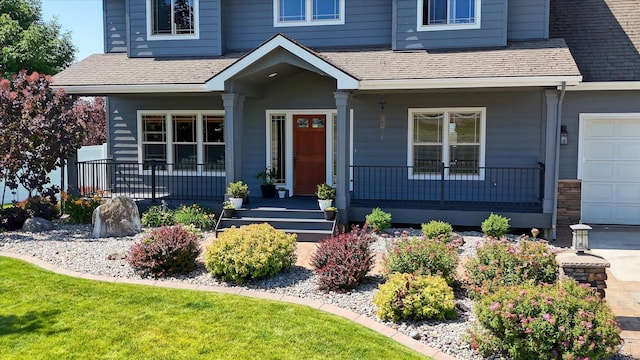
268	177
228	210
282	192
325	193
330	213
238	191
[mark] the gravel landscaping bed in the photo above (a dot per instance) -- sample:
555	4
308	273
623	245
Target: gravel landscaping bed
71	247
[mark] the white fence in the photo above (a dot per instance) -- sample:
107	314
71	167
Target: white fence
85	153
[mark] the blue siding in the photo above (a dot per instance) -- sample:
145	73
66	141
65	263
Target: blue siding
115	26
579	102
491	33
208	44
248	23
528	19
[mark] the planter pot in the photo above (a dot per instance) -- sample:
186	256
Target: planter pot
237	202
282	194
228	213
329	215
268	191
324	203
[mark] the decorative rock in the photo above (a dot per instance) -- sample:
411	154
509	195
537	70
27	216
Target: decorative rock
414	335
117	218
462	307
116	256
37	224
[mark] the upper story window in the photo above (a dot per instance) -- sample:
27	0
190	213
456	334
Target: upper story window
434	15
308	12
172	19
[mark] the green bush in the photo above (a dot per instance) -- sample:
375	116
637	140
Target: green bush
502	263
158	215
495	226
238	189
195	215
422	256
378	220
165	251
560	321
80	210
408	296
437	229
250	252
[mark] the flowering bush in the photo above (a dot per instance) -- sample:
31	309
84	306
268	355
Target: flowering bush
165	251
196	216
495	226
158	215
422	256
408	296
437	229
502	263
80	209
342	261
561	321
249	252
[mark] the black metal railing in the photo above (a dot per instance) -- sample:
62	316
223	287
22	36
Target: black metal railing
151	180
451	187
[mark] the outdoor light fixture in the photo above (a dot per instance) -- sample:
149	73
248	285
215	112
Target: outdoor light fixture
564	136
580	240
272	75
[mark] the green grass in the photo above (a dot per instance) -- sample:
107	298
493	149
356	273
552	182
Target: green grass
49	316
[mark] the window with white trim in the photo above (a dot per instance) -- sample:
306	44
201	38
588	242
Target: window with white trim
448	14
307	12
183	141
450	137
172	19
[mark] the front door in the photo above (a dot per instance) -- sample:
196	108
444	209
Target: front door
309	153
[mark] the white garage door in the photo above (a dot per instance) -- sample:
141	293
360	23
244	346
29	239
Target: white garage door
610	152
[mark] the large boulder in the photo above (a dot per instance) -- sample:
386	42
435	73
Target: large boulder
37	224
116	218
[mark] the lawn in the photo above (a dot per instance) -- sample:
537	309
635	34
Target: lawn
45	315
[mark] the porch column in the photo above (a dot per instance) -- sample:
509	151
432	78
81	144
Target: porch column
342	158
233	111
551	148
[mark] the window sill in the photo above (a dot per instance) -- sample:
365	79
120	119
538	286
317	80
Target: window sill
173	37
448	27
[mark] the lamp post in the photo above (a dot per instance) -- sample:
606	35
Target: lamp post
580	240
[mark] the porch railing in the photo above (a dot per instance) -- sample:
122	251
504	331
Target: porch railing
151	180
500	188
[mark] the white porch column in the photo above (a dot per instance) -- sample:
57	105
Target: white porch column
552	146
342	159
233	113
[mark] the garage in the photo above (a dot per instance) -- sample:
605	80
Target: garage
609	166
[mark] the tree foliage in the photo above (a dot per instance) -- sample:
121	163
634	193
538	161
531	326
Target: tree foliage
27	42
96	133
39	128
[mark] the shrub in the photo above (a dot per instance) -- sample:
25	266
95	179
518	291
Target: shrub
325	192
437	229
378	220
158	215
408	296
495	226
12	218
422	256
342	261
238	189
43	207
250	252
560	321
80	209
165	251
196	216
502	263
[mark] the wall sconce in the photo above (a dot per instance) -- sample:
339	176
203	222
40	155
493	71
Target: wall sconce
564	136
580	240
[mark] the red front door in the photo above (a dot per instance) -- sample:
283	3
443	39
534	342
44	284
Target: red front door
309	153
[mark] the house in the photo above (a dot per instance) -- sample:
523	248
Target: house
430	109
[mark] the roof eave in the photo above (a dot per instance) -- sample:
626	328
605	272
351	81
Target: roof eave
131	89
463	83
606	86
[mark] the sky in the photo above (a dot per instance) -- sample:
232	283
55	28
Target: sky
83	19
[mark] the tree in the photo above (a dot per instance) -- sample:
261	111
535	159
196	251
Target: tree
27	42
39	128
96	133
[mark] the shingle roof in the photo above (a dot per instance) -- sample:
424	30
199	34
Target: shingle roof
525	59
603	35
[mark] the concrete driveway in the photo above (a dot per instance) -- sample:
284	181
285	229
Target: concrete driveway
621	247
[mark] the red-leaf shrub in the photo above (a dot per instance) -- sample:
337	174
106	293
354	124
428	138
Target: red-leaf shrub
41	206
342	261
165	251
12	218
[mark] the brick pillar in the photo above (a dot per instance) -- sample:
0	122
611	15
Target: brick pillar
585	268
569	197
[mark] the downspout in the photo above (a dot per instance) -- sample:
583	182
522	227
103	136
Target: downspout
556	175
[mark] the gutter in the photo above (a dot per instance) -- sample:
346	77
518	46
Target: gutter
556	176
